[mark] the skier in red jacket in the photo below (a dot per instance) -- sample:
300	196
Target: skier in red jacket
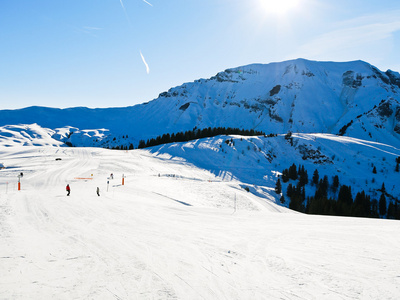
68	189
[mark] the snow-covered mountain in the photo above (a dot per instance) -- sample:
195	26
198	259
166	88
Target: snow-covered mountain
346	119
350	98
202	219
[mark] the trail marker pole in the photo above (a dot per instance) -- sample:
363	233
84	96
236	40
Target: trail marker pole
123	179
19	182
108	183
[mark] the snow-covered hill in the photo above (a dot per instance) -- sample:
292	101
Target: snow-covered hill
260	155
176	231
27	135
257	161
351	98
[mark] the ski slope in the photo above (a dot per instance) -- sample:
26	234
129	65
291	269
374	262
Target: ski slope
173	231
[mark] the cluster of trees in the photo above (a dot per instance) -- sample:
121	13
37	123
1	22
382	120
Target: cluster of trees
293	174
327	201
196	134
123	147
185	136
296	193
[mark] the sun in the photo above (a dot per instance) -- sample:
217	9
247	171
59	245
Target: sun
279	7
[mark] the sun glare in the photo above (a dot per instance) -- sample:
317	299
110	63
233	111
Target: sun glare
279	7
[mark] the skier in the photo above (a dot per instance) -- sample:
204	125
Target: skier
98	191
68	189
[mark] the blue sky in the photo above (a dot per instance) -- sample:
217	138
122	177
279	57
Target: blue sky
114	53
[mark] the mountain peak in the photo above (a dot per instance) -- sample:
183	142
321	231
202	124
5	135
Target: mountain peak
347	98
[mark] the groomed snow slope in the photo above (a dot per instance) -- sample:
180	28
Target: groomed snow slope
172	232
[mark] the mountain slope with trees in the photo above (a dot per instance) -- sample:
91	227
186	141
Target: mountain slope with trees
311	173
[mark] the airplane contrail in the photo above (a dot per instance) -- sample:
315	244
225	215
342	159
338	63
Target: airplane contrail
122	4
147	3
126	14
145	63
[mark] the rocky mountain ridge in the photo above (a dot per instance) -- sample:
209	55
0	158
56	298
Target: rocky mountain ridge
350	98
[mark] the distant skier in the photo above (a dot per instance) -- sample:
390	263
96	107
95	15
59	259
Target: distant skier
68	189
112	176
98	191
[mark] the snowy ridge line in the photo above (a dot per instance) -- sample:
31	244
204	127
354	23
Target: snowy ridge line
363	102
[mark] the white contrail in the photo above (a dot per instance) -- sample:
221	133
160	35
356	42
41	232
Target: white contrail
145	63
122	4
147	3
126	14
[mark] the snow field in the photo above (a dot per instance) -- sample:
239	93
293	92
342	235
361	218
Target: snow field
174	231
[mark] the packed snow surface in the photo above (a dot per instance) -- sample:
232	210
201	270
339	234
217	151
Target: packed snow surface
173	231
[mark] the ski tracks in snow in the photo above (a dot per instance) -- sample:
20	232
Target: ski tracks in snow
134	242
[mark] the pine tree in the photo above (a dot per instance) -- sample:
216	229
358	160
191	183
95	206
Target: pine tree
315	178
303	176
382	205
345	201
374	208
325	183
335	184
391	211
293	172
383	189
374	170
361	206
289	190
296	203
285	175
142	144
278	186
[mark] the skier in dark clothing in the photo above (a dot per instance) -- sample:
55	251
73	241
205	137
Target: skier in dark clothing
68	189
98	191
